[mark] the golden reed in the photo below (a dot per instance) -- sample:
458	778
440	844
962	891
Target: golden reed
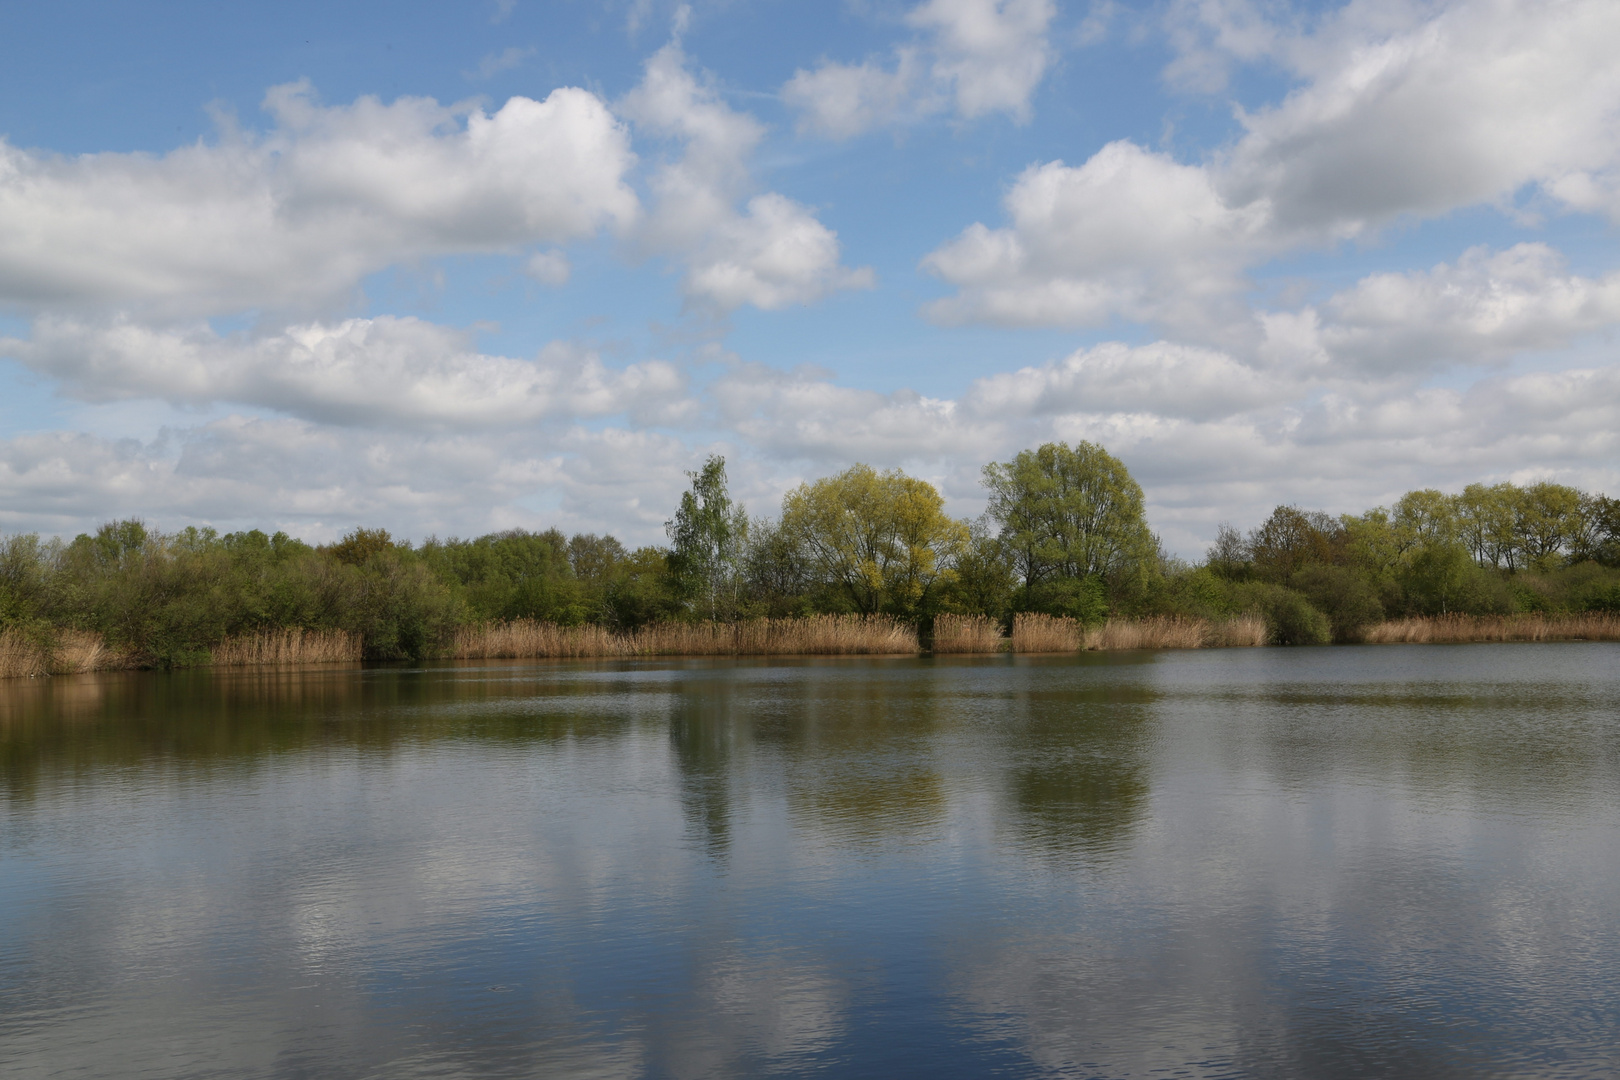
817	635
1046	633
288	646
20	657
1049	633
1458	629
967	634
71	652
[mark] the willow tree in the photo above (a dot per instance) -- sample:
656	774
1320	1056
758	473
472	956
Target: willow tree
882	539
1073	520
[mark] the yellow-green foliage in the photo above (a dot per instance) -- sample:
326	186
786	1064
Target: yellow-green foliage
883	539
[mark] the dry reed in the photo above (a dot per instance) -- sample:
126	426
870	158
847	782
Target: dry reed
19	656
288	646
818	635
1459	629
1242	631
967	634
1046	634
79	651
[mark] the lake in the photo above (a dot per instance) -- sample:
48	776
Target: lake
1393	861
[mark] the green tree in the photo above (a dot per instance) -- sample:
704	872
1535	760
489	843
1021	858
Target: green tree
882	539
708	535
1486	524
1070	516
1291	539
1547	517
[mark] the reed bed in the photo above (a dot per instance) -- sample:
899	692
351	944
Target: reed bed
1160	632
78	651
817	635
1046	634
19	656
288	646
1460	629
967	634
1241	632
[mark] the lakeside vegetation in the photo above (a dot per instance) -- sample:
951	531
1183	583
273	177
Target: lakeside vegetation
862	562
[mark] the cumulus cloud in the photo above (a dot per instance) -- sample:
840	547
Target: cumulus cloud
770	254
1162	378
379	372
1416	115
1129	234
974	57
1402	111
1485	308
296	217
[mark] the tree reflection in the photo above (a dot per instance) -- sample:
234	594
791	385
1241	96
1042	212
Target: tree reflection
1079	781
703	733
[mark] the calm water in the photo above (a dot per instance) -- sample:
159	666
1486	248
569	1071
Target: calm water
1386	861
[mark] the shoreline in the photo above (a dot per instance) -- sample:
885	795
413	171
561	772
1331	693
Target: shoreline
78	652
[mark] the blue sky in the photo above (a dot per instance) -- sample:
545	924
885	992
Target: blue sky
450	268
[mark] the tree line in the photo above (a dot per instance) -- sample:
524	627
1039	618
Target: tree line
1064	533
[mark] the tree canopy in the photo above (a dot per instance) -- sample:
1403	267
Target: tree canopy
883	538
1070	515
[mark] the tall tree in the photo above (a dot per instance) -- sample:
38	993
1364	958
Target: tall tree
1069	514
707	535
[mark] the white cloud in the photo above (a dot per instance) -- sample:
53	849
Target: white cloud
318	481
1420	114
296	218
772	254
1128	234
843	100
973	56
381	372
549	268
1210	437
1403	111
1163	379
992	53
1485	308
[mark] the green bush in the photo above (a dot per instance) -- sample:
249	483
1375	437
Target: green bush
1289	616
1346	595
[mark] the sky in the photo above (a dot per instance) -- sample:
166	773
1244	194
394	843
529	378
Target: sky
447	269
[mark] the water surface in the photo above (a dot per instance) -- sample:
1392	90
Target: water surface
1383	861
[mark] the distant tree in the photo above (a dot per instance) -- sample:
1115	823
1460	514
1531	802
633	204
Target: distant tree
984	580
1424	518
1291	539
1486	518
883	539
1547	517
707	537
776	571
1599	539
1228	556
1070	515
593	557
359	545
